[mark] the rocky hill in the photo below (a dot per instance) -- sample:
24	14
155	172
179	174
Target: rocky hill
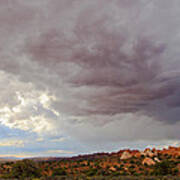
150	162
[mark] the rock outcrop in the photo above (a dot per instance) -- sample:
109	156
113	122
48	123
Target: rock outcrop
126	155
148	152
156	159
148	161
112	168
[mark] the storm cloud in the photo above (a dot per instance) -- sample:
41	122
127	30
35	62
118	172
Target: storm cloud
95	70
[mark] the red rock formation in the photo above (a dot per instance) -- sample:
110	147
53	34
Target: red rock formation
126	155
148	161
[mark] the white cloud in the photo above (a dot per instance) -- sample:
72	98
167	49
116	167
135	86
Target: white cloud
58	152
40	139
61	139
37	154
14	155
12	143
28	108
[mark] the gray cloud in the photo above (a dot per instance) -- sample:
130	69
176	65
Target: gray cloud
103	61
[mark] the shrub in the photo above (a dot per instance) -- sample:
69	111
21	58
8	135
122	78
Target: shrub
25	168
164	168
175	171
132	161
59	172
132	167
116	173
91	172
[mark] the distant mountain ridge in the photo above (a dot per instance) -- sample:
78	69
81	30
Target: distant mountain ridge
174	151
9	159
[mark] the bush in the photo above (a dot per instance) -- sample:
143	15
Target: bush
91	172
164	168
25	168
59	172
132	167
116	173
132	161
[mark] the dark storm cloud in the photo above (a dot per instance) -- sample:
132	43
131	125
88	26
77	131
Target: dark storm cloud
97	56
103	61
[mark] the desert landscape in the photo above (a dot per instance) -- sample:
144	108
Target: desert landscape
124	164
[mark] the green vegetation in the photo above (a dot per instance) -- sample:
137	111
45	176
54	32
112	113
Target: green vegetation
110	166
23	169
59	172
165	168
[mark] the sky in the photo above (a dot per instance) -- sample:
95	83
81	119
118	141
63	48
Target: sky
85	76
